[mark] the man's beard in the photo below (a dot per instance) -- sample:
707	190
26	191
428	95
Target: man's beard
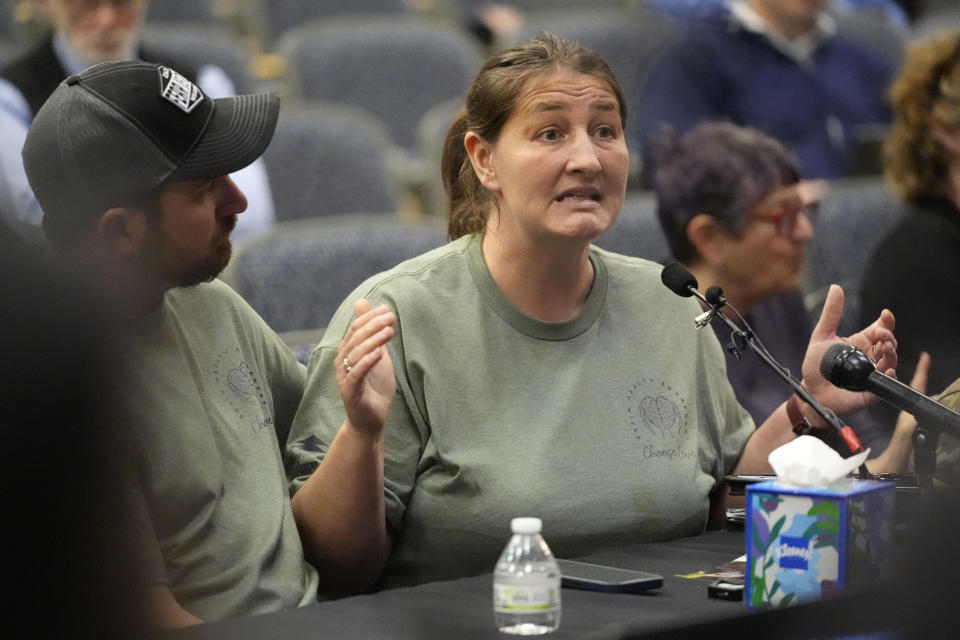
203	270
186	271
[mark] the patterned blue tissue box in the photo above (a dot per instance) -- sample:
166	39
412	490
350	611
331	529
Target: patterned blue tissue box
804	544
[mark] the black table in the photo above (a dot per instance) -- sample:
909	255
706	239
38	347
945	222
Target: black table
462	609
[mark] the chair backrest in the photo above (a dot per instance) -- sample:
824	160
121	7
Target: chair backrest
946	18
186	11
287	14
432	134
629	41
21	20
329	160
397	69
875	31
855	215
203	45
297	274
637	230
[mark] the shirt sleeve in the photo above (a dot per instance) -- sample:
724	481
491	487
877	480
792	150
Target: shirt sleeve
321	413
728	426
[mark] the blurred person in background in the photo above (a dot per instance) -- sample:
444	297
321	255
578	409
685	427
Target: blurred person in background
898	12
776	65
83	33
915	270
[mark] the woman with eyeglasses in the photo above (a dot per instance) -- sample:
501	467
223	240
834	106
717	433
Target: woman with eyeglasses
736	213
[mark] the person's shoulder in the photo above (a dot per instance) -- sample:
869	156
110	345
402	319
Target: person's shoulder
638	275
708	26
857	55
619	261
431	266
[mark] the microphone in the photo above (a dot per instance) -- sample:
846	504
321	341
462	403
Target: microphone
715	297
678	279
683	283
849	368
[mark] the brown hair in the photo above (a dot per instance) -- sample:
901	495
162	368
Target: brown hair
925	96
490	102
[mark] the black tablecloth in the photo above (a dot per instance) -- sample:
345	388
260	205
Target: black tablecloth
462	609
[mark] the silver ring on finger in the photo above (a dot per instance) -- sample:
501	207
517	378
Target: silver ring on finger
346	365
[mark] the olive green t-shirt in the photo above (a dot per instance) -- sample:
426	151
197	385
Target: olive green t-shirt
210	392
613	427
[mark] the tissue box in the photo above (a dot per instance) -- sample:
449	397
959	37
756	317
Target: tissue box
808	543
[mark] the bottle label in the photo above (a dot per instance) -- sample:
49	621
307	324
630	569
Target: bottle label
515	598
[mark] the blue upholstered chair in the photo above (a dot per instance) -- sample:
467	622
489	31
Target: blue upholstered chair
284	15
297	274
397	69
637	230
854	217
629	40
329	160
203	45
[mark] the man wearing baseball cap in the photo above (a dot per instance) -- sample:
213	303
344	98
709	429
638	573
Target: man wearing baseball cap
83	33
130	163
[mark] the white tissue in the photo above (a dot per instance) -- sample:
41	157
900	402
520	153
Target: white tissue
810	462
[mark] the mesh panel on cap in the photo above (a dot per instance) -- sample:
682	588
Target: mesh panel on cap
82	155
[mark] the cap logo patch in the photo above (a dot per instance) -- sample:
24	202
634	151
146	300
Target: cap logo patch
178	90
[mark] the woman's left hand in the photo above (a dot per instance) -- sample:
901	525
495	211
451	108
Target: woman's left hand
876	340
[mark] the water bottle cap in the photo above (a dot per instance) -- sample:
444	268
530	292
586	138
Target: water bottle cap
526	525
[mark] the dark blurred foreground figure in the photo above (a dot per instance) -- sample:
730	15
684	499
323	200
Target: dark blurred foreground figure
915	271
70	568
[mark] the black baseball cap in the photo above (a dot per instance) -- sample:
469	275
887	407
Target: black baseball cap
113	134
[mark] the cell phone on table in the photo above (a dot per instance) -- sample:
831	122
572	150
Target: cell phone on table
597	577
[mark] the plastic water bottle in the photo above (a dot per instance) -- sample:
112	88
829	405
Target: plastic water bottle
526	583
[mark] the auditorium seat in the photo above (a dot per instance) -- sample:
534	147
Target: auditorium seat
395	68
298	273
200	45
283	15
197	12
431	135
637	230
629	40
328	159
874	30
854	217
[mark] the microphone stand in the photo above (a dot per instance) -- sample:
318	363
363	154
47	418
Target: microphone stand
925	454
741	337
